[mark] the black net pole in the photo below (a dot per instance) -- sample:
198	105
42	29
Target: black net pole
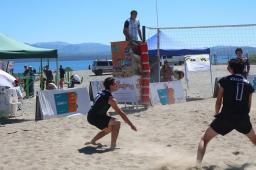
143	33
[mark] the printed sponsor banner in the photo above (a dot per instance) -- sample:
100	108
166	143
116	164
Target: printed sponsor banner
126	62
66	102
129	89
167	93
54	103
197	62
118	49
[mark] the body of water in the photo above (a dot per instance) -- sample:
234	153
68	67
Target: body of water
74	65
84	64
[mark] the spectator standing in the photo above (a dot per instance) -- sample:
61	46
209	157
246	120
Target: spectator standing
62	74
26	80
31	78
239	54
49	76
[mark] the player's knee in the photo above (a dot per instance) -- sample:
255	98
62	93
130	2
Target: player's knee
107	130
205	139
116	123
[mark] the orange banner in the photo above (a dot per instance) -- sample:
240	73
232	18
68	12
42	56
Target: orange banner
72	100
126	61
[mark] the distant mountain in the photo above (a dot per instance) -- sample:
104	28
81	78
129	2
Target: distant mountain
83	51
91	51
230	50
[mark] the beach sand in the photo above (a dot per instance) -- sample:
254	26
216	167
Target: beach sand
166	139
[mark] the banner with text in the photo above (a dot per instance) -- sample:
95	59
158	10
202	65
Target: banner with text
54	103
126	62
199	62
129	89
167	93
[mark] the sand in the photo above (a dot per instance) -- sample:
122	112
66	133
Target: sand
167	137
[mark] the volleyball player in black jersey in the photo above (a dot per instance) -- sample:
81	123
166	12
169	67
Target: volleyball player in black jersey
98	116
235	96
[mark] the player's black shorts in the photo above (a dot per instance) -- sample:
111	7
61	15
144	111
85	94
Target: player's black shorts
99	120
224	124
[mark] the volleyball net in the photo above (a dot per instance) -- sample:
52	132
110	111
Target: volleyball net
221	40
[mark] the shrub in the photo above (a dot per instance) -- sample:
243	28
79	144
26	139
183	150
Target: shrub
67	69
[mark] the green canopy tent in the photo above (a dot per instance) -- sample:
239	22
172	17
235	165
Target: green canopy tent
12	49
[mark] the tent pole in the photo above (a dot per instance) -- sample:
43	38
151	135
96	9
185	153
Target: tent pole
6	70
41	74
57	72
158	54
211	71
143	33
186	74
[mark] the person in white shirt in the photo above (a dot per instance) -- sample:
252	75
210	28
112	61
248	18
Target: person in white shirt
132	27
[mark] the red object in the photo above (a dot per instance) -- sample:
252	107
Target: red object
146	71
72	99
145	78
145	90
145	67
143	48
145	99
145	81
144	58
146	74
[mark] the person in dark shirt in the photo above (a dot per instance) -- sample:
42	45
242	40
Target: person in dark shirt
236	94
239	54
98	116
31	79
26	80
62	74
49	76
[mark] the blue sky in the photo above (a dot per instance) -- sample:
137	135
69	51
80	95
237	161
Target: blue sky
77	21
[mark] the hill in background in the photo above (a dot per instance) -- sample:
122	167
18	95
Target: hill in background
230	50
92	51
83	51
